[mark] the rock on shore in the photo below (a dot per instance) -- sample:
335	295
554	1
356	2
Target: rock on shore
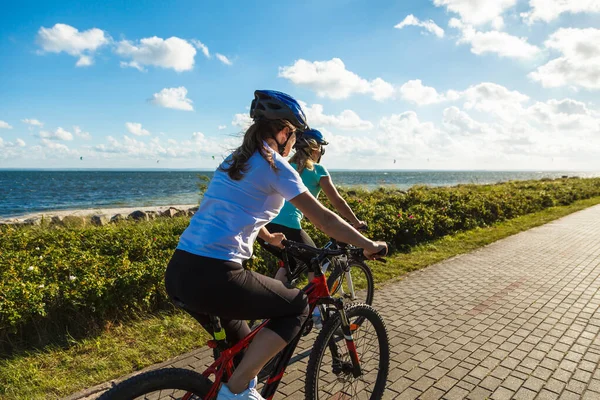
102	216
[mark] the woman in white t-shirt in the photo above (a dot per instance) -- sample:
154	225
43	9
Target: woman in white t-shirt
205	275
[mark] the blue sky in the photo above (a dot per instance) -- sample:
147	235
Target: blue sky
440	84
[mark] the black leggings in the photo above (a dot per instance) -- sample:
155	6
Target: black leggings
296	235
208	286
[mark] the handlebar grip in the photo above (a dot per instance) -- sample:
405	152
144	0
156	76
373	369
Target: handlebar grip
382	252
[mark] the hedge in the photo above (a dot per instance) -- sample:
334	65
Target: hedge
66	281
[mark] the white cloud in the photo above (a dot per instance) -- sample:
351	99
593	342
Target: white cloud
173	98
347	119
564	115
414	91
242	121
61	148
136	129
459	122
65	38
5	125
201	46
221	127
7	145
84	61
498	23
429	25
332	79
477	12
198	137
496	99
58	134
405	135
173	53
579	64
549	10
197	146
32	122
81	134
223	59
485	97
501	43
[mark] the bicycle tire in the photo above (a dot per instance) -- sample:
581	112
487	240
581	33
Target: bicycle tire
329	335
338	276
166	379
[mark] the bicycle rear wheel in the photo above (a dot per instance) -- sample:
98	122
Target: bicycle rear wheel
352	281
329	370
168	383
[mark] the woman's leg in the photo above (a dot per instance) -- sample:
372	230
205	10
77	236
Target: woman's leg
225	289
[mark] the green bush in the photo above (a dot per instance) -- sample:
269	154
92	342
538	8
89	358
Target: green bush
69	280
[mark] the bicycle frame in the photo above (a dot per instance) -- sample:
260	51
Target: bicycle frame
300	268
317	293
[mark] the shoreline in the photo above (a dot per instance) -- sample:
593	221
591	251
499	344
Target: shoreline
86	212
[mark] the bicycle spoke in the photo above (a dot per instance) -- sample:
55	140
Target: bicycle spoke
335	379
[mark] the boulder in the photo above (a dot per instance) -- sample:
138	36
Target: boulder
36	221
99	219
192	211
138	216
74	221
182	213
56	220
169	213
117	218
152	214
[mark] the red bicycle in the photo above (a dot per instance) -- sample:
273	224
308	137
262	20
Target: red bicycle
349	360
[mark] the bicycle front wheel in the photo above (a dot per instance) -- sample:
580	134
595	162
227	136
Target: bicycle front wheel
329	370
353	282
168	383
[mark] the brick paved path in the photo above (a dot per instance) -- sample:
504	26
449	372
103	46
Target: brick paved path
517	319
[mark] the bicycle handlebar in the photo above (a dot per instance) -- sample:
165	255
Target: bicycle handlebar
356	252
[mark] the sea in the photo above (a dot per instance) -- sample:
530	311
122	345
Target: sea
31	191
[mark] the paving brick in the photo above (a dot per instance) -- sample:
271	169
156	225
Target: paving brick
515	319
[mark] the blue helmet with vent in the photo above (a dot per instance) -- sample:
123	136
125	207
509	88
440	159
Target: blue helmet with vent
271	104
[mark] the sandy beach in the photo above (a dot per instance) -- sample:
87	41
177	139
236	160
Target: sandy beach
94	211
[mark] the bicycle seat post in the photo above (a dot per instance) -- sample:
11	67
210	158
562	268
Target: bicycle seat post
218	332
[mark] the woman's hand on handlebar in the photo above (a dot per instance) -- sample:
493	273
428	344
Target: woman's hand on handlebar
275	239
360	225
379	249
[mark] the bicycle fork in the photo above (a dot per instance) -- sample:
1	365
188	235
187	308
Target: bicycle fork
339	366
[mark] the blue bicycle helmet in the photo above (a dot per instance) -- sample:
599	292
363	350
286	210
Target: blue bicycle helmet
314	134
302	143
271	104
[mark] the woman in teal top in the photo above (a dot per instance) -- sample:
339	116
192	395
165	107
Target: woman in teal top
309	150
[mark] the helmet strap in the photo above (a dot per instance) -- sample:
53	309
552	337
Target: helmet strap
280	147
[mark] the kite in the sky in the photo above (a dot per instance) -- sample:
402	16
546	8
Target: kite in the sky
81	158
213	157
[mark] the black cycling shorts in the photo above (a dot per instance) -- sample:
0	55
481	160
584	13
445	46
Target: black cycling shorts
209	286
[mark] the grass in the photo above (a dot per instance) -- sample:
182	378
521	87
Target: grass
52	373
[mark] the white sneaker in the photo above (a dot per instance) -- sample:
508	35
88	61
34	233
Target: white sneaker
251	393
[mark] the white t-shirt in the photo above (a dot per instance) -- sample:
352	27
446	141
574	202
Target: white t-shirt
232	212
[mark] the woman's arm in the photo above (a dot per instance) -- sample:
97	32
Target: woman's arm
271	238
333	225
338	201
